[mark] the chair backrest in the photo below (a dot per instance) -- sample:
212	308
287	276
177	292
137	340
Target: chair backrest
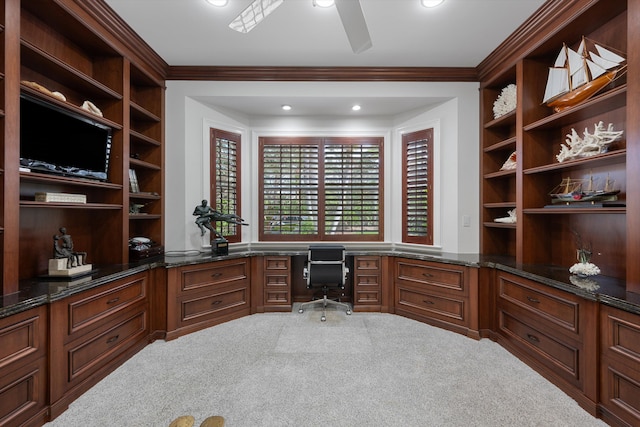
326	265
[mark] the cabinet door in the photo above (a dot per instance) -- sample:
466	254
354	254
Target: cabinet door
620	366
23	366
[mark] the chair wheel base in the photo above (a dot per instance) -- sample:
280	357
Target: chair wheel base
323	319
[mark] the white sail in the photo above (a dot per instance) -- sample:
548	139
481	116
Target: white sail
602	62
595	69
561	58
608	55
579	77
576	61
557	83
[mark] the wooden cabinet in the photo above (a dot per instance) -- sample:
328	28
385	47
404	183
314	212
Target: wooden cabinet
92	333
73	48
546	233
552	331
23	368
277	283
367	283
441	294
620	366
203	295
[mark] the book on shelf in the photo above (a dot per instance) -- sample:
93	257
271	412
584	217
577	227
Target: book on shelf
133	181
60	197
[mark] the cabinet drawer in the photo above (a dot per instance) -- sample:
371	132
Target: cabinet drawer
445	278
560	356
211	304
86	356
23	392
561	311
363	263
276	280
89	309
367	296
22	335
367	280
276	263
422	302
221	272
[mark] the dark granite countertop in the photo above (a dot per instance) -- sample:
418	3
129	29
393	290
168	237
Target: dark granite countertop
607	290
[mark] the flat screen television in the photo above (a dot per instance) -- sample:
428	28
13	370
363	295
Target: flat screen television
62	142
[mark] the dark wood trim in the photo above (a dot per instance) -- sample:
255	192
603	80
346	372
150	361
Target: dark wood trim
136	48
548	22
383	74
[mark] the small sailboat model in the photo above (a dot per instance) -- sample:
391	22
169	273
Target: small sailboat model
572	191
579	74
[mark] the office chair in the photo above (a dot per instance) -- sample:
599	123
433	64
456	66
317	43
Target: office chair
325	266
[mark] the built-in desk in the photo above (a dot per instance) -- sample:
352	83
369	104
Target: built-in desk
539	313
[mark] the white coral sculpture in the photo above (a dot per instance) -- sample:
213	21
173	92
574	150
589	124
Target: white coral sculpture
506	101
596	143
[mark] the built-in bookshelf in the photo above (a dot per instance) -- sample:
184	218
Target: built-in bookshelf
544	234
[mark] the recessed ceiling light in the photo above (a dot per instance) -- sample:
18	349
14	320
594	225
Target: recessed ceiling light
286	107
323	3
218	3
356	107
431	3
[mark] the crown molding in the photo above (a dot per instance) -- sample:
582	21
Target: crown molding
388	74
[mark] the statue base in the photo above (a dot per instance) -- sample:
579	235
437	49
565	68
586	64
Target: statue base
58	268
220	246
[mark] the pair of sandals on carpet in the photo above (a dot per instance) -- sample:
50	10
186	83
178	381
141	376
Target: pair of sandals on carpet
189	421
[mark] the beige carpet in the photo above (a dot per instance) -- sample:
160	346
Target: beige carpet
289	369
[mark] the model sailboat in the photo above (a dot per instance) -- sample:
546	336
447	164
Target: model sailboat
579	74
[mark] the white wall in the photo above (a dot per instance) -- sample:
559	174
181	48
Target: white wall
456	165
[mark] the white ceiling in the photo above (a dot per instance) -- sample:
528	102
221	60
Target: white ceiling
459	33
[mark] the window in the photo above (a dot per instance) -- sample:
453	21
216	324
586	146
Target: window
225	180
321	189
417	187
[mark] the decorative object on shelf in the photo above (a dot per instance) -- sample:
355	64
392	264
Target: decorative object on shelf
511	219
592	144
206	215
135	208
42	89
66	260
506	101
90	107
143	247
579	74
585	192
584	267
133	181
510	163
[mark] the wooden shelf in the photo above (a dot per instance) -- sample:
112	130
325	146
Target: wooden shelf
36	177
502	145
612	157
499	225
573	210
49	205
501	174
507	119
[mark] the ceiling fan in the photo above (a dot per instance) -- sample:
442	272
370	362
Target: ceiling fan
350	13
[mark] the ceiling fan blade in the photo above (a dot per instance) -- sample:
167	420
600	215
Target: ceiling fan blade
354	24
254	14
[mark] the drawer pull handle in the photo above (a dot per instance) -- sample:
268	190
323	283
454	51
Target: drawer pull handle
216	302
113	339
215	275
113	300
533	338
426	301
534	300
427	275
